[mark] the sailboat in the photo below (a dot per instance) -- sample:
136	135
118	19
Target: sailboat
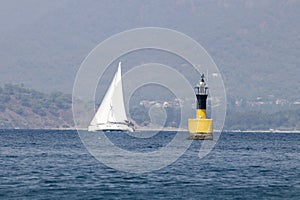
111	114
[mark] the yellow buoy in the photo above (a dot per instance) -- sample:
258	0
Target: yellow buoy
201	128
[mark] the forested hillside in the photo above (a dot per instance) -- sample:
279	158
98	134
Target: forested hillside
21	107
257	120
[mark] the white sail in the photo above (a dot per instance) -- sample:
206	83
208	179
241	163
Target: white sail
111	114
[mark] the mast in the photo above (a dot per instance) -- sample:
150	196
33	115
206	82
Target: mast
111	114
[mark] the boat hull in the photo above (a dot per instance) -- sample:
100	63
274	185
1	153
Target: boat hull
111	127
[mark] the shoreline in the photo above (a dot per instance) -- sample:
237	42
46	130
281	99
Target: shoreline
162	129
261	131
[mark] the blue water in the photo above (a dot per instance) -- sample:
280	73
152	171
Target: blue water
39	164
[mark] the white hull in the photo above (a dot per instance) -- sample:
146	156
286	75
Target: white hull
110	127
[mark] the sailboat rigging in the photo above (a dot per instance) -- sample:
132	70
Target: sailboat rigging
111	114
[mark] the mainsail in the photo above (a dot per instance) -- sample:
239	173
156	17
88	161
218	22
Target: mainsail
111	114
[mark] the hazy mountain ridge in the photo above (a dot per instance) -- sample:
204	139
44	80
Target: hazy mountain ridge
254	43
21	107
24	108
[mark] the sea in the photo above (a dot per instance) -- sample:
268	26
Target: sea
52	164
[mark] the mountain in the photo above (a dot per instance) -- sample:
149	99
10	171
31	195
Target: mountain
21	107
254	43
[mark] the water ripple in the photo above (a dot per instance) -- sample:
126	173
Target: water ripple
37	164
